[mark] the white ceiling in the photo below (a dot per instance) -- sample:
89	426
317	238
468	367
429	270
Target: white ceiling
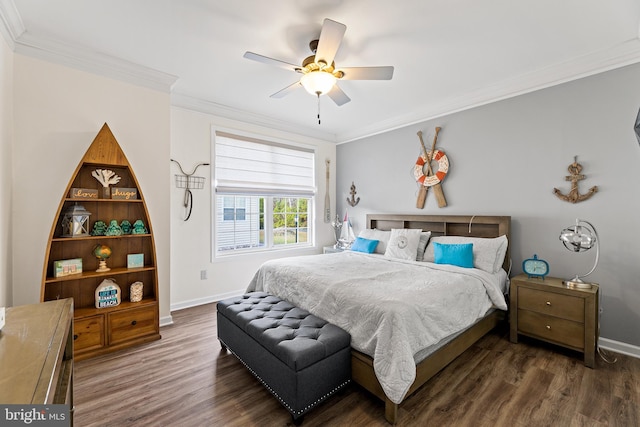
448	54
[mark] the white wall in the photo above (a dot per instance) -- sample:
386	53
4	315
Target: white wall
191	241
507	157
58	111
6	169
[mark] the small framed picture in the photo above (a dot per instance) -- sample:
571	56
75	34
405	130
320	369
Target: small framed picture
67	267
135	260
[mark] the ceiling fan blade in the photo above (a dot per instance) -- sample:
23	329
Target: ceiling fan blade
286	91
271	61
338	96
367	73
329	41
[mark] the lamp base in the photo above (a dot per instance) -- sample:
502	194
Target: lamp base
576	283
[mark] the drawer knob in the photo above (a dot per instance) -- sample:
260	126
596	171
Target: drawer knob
548	302
134	322
548	327
75	337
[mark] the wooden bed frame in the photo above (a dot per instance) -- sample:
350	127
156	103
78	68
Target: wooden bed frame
440	225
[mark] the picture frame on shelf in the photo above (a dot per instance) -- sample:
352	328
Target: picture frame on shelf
67	267
135	260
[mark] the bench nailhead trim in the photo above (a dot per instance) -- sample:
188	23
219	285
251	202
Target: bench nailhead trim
286	405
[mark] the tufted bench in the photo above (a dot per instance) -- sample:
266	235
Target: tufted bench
300	358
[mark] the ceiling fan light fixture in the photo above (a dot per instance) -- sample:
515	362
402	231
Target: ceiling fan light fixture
318	82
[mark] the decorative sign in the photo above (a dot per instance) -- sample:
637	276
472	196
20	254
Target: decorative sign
107	294
135	260
67	267
124	193
83	193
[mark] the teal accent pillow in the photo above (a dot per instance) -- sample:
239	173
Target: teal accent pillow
460	254
364	245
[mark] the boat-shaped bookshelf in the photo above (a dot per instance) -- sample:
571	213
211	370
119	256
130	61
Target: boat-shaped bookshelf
132	259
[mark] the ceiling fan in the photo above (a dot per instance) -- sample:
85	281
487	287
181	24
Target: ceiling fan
319	71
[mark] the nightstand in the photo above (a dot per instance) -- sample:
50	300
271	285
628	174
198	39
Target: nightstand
331	250
547	310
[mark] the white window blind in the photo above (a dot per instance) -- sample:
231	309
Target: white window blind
251	166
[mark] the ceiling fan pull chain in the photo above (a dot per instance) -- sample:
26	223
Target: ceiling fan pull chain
318	93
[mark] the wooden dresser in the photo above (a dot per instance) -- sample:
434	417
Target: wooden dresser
549	311
36	354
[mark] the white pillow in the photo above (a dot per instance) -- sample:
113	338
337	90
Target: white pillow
403	243
488	253
422	245
381	236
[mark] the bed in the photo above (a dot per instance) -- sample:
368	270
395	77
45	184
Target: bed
397	343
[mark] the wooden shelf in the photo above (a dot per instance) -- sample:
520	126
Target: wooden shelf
94	274
104	200
102	330
122	236
92	311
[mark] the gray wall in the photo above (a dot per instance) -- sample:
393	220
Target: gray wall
506	158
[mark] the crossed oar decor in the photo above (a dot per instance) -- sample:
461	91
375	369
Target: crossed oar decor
430	179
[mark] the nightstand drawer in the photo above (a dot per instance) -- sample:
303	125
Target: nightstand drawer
553	304
551	328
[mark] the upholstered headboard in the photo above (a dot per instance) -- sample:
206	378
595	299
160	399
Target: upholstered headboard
449	225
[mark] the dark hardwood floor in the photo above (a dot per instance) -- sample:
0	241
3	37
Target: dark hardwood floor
185	380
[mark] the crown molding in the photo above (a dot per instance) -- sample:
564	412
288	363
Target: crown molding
93	62
618	56
207	107
11	26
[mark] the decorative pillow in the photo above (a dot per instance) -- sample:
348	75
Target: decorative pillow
403	243
460	254
364	245
381	236
422	244
488	253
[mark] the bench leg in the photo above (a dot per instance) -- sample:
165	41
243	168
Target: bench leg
222	346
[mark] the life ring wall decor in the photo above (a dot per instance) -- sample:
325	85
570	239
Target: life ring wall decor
436	178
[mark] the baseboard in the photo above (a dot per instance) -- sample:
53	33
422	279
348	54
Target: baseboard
619	347
166	321
206	300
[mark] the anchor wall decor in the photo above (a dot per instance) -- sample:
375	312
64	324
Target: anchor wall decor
574	195
353	201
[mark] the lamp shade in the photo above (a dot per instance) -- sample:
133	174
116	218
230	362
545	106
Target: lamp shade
318	82
580	238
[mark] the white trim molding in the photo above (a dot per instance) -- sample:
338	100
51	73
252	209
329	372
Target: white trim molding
11	25
94	62
207	300
166	321
619	347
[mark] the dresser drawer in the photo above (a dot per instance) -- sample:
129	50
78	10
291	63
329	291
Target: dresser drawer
551	328
88	333
553	304
129	324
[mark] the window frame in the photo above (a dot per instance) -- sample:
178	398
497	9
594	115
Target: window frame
268	196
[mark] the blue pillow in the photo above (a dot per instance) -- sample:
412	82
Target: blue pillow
364	245
460	254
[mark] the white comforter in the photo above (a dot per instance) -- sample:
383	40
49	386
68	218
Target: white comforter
391	308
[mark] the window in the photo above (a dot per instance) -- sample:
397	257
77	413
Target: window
264	195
